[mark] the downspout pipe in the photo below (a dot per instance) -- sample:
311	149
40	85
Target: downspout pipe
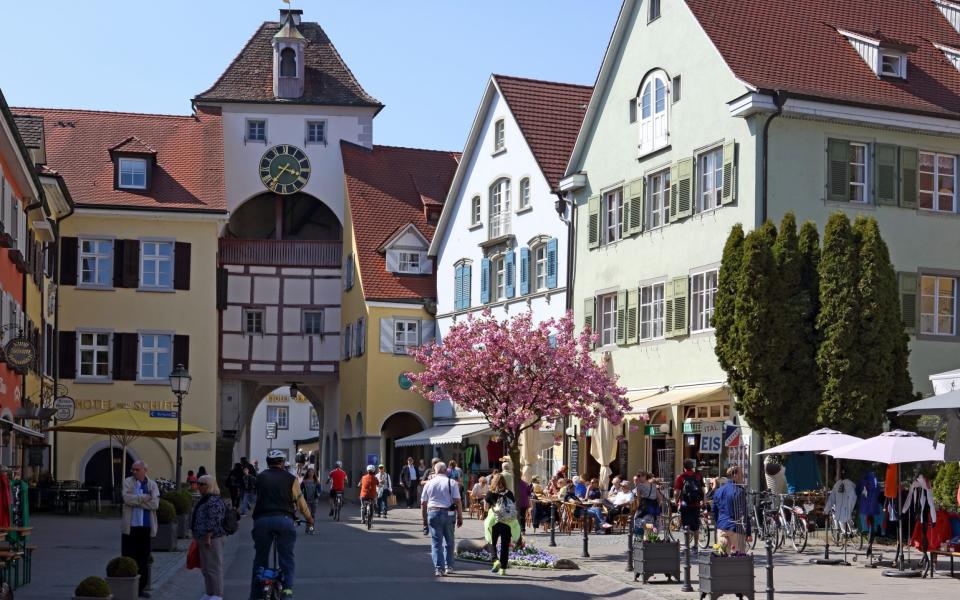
778	99
568	293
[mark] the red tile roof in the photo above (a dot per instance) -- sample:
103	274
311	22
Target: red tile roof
549	114
132	145
189	170
387	188
249	78
795	47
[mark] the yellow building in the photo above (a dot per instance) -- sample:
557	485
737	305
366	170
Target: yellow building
137	288
394	198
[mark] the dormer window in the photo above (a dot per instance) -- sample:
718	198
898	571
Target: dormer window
409	262
886	57
893	64
133	173
406	252
288	62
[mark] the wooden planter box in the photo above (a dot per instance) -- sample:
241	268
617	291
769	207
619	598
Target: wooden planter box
650	558
726	575
124	588
166	540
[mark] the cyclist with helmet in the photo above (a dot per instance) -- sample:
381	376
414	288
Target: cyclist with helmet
278	499
368	487
338	481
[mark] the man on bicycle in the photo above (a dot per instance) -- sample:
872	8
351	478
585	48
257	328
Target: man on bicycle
278	498
368	488
337	480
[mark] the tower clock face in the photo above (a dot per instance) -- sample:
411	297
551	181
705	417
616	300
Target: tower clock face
284	169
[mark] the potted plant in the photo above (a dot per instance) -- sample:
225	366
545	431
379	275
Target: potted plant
725	572
182	503
123	577
656	555
92	587
166	538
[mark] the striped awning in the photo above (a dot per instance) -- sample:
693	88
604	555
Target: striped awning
442	434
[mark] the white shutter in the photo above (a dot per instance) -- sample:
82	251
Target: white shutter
427	331
426	265
386	335
393	261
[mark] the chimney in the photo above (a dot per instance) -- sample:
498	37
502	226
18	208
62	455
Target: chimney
294	15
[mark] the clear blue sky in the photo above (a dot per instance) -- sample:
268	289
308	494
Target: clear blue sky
426	60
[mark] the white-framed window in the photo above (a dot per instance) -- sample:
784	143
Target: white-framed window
96	262
654	13
651	311
133	173
312	322
279	415
703	290
256	130
156	265
94	354
253	321
499	135
654	113
314	420
524	200
938	305
500	208
893	64
658	199
608	319
474	210
409	262
539	257
858	172
156	354
406	335
498	272
316	132
938	182
612	215
710	178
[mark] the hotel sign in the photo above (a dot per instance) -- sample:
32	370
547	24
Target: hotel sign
19	353
66	408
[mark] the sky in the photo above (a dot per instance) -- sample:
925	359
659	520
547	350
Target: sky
426	60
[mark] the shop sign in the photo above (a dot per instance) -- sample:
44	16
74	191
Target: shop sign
711	437
66	408
19	353
731	437
271	431
373	459
404	381
574	457
652	430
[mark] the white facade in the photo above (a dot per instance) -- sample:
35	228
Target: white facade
297	420
945	382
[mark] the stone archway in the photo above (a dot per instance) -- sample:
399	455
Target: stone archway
396	426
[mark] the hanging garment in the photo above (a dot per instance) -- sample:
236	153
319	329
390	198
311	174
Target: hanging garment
920	501
842	499
890	483
869	494
494	453
5	500
802	472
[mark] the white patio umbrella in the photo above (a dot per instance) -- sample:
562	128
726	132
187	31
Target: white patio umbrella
893	448
820	440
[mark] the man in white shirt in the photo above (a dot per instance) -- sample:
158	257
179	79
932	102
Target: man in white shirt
619	503
408	479
441	507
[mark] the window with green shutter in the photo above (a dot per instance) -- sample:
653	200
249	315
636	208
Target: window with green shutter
729	192
885	174
673	191
633	207
838	170
593	221
681	306
909	161
908	299
668	309
589	318
681	189
633	316
621	317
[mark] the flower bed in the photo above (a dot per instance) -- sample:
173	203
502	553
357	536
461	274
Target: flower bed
528	556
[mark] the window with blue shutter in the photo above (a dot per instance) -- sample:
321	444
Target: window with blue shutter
485	281
509	265
552	263
524	271
466	282
458	287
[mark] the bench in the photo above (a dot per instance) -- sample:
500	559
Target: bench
935	553
11	561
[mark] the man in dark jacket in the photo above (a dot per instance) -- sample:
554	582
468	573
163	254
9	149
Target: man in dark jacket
408	479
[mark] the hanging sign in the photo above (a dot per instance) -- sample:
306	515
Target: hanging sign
163	414
711	437
731	437
574	457
19	353
271	431
66	408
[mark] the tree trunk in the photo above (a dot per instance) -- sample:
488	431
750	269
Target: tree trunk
514	451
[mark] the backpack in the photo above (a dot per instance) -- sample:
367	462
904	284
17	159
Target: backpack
231	521
505	510
692	490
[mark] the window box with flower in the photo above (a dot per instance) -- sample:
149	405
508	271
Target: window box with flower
723	572
655	554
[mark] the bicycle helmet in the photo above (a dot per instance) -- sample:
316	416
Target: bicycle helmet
338	464
371	468
276	457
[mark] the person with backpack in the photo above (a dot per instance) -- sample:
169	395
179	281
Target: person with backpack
310	486
206	523
688	489
501	523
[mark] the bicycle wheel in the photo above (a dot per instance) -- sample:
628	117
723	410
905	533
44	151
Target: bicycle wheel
704	539
756	532
675	526
369	516
799	534
773	531
336	508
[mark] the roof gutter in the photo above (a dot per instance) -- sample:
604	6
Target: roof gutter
778	98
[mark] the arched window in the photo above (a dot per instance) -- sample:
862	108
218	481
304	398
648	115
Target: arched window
288	62
654	112
524	200
500	207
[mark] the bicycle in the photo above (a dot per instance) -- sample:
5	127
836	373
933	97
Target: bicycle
843	534
271	577
793	523
337	504
366	511
764	520
676	527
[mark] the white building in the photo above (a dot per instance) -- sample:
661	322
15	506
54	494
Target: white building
500	243
298	425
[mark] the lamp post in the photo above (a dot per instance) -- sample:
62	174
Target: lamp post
180	386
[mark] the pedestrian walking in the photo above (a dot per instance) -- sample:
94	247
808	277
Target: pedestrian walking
235	483
442	509
409	475
206	523
248	489
192	481
501	525
730	511
688	488
523	503
141	498
310	486
384	489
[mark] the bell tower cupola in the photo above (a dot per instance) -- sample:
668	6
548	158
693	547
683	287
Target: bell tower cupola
288	56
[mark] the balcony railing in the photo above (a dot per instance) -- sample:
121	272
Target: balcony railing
287	253
499	225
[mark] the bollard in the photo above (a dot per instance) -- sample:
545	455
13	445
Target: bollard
686	587
586	526
769	545
630	543
553	525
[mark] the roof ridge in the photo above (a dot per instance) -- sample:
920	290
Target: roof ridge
18	109
548	81
452	152
344	63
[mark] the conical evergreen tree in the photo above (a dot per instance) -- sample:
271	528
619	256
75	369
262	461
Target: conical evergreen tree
727	347
797	395
838	357
810	277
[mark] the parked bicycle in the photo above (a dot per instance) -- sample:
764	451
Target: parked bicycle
764	519
165	485
793	523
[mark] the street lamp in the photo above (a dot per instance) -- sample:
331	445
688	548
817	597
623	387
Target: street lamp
179	385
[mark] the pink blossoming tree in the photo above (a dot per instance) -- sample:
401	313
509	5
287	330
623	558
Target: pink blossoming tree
519	375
